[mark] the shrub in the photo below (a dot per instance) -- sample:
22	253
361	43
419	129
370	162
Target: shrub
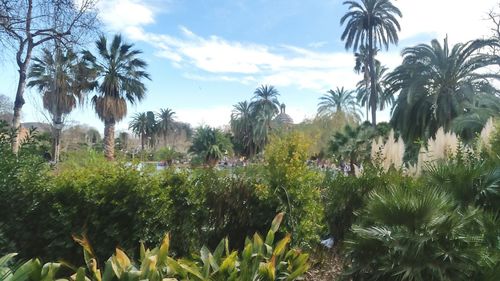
343	196
296	186
264	260
471	181
208	205
23	184
414	232
113	204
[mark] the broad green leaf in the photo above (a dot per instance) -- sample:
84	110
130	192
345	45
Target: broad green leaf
281	246
164	247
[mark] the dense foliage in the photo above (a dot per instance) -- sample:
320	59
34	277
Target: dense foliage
259	260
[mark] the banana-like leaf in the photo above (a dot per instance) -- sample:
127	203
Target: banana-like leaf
24	272
277	222
229	263
281	246
49	271
163	251
6	259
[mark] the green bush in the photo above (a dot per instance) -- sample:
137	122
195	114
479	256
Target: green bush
260	259
208	205
343	196
112	204
24	181
296	187
414	232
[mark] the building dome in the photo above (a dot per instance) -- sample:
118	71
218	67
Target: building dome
283	119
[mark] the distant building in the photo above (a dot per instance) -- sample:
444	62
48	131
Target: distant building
283	120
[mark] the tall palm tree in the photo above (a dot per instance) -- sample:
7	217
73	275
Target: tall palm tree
437	83
139	126
166	122
63	80
120	77
242	124
339	100
373	24
152	129
265	103
384	97
362	65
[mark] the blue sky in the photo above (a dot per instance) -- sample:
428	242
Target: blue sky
206	55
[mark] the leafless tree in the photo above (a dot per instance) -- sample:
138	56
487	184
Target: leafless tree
27	24
6	105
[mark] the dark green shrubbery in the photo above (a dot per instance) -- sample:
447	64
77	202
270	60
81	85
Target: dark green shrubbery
116	204
24	181
443	225
417	232
262	258
344	196
208	205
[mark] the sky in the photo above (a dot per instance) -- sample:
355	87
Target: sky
204	56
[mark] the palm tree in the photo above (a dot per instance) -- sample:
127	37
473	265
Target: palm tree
265	103
373	24
166	122
339	100
383	97
414	232
63	79
361	65
437	83
120	74
152	129
210	144
242	124
139	126
352	145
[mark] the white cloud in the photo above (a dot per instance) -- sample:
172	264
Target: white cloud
219	59
317	44
119	15
461	20
213	58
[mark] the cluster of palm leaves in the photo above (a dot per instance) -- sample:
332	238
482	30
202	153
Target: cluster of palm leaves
260	259
210	145
413	232
64	79
352	145
443	225
116	76
149	126
251	122
437	85
370	25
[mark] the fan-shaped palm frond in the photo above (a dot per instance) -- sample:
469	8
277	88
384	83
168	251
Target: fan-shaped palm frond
120	75
63	80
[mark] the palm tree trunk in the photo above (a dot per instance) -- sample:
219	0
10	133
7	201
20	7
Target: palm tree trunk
367	85
143	141
56	142
373	88
109	139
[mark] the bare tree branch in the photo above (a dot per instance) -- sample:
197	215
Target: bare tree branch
27	24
